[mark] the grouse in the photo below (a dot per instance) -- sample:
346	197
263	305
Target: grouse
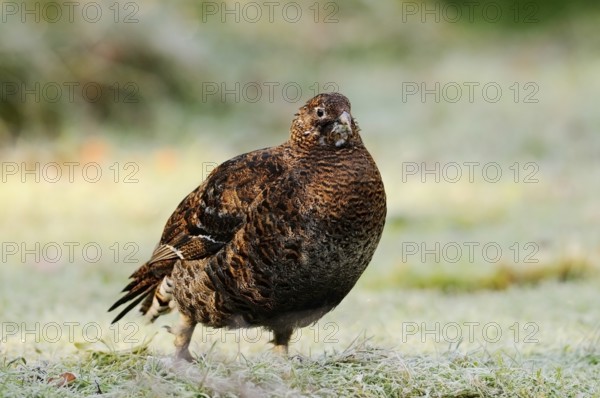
273	238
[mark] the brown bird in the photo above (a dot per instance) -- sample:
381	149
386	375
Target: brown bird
273	238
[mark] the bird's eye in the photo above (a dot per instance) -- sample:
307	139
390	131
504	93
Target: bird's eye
320	112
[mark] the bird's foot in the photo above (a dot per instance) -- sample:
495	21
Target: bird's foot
281	339
183	335
184	354
281	350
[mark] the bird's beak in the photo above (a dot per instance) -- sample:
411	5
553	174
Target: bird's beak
342	129
346	120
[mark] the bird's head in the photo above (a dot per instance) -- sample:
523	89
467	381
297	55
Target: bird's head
325	122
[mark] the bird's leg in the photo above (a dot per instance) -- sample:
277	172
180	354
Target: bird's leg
281	341
183	335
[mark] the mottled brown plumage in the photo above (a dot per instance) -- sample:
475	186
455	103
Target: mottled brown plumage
273	238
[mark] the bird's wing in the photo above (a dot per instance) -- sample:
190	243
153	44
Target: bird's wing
206	220
265	252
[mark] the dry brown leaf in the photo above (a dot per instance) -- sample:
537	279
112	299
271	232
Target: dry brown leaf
62	380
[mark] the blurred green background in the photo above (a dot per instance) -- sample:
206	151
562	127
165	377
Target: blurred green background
162	91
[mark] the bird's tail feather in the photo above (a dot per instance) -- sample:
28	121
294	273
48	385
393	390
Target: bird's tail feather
161	302
146	284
